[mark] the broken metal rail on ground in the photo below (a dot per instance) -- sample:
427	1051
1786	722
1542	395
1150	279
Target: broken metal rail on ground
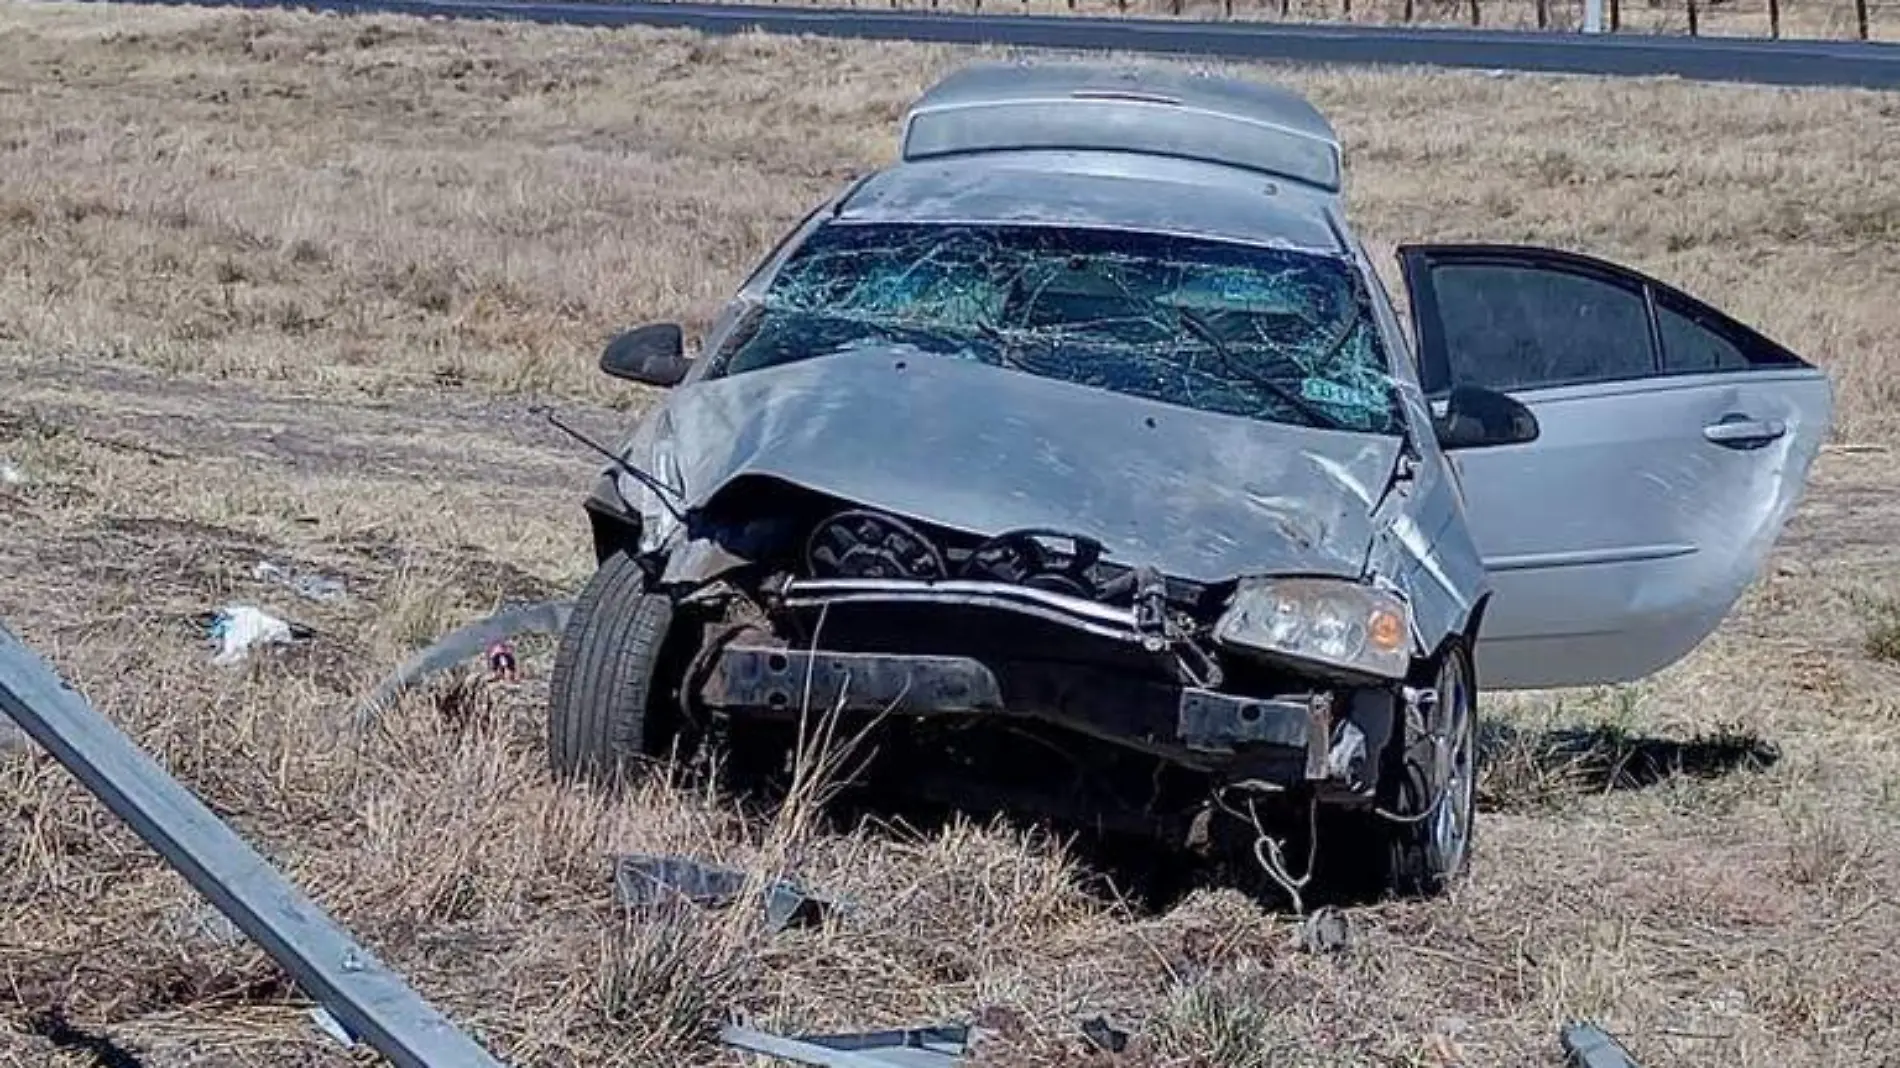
369	1001
1872	65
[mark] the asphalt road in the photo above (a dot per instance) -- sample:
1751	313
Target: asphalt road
1760	61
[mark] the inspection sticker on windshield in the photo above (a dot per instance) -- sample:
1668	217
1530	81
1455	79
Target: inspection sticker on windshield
1327	391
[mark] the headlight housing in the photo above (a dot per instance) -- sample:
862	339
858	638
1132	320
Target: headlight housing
1346	625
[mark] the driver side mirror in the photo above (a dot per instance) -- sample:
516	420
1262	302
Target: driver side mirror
1476	417
653	355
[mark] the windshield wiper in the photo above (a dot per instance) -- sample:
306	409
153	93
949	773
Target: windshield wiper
1207	333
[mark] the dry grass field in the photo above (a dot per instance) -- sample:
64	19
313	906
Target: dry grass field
284	287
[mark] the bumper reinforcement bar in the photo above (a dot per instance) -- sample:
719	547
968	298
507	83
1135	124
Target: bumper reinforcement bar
777	680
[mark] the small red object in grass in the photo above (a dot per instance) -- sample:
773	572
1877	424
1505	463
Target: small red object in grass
501	662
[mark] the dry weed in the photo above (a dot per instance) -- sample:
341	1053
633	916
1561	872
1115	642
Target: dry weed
279	286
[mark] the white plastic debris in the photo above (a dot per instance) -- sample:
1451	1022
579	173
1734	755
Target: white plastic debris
11	475
237	628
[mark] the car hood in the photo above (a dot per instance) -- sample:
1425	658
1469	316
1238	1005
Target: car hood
1200	496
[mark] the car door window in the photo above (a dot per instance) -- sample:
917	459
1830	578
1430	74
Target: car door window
1665	463
1689	347
1513	327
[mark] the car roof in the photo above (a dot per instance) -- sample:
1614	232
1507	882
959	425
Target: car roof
1144	109
1105	190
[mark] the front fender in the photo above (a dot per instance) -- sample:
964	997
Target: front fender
615	526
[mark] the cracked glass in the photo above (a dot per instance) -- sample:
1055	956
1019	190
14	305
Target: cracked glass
1263	333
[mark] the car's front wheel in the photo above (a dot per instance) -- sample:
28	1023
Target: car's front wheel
1430	807
611	702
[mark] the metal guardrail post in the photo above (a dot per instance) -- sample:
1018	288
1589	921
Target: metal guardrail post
372	1002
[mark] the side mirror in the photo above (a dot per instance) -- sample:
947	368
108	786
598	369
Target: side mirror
1476	417
653	355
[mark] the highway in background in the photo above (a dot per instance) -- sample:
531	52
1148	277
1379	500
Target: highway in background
1733	59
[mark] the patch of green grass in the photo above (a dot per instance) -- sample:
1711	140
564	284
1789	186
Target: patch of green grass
1223	1018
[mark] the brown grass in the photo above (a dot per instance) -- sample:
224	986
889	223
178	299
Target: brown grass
281	286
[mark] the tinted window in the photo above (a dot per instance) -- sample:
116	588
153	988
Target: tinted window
1521	327
1263	333
1689	347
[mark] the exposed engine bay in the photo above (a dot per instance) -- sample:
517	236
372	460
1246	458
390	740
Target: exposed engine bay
1024	659
861	544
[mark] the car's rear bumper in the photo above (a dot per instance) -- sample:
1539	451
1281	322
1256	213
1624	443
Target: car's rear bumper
1297	735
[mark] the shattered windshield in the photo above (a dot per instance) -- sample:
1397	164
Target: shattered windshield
1264	333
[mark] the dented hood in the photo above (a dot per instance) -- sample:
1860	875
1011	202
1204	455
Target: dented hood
982	449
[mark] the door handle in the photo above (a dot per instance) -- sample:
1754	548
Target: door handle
1737	431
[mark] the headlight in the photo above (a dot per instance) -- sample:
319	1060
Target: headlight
1342	624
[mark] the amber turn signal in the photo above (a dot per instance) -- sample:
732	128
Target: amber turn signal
1385	631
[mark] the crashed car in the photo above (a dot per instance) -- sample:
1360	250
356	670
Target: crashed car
1083	452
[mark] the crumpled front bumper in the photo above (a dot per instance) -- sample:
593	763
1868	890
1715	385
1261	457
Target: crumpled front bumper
1194	726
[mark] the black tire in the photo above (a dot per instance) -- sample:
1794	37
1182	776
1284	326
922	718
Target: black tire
607	714
1421	857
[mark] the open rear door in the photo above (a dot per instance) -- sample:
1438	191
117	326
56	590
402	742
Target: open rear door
1673	443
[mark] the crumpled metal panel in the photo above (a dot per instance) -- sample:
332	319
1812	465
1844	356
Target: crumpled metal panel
458	646
920	1047
988	377
644	882
985	449
1589	1046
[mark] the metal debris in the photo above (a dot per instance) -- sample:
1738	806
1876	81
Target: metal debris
465	643
919	1047
1326	930
307	585
322	957
1589	1046
1104	1036
648	882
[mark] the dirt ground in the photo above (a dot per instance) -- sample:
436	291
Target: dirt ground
285	288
